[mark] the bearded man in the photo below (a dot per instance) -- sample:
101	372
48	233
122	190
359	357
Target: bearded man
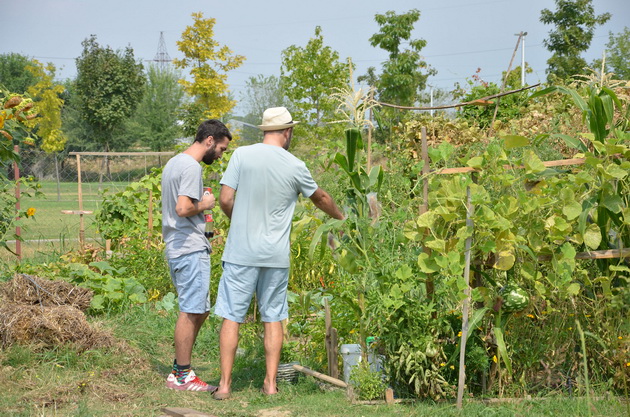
187	248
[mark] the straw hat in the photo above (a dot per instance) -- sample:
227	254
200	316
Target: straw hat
276	118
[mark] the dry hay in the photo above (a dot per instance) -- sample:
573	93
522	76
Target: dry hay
49	327
31	290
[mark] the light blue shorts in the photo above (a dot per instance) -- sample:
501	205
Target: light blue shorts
191	276
238	284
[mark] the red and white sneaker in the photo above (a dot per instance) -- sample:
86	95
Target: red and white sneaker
191	383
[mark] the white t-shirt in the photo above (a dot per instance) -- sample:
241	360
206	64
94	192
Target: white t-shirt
267	180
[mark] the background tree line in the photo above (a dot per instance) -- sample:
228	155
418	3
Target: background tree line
117	103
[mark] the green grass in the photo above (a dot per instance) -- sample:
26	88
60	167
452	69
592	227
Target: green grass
129	381
50	230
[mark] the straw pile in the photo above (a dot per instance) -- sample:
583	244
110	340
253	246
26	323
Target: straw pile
31	290
47	313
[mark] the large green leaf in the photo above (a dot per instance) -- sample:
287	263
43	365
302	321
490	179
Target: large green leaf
353	141
592	236
533	164
514	141
572	142
498	333
572	210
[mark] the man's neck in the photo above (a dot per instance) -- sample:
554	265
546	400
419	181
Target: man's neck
196	150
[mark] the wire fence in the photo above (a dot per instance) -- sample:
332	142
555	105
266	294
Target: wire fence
100	173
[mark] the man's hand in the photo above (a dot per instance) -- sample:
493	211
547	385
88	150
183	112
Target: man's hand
208	201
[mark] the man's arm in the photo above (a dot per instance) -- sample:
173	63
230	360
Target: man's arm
187	207
226	200
325	203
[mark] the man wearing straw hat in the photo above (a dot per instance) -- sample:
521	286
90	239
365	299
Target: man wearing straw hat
187	249
259	190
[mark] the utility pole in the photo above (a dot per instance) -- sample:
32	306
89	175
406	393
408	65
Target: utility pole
522	35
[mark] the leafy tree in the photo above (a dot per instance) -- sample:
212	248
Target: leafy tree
402	78
309	75
109	87
575	22
13	73
209	63
155	122
617	55
47	95
261	93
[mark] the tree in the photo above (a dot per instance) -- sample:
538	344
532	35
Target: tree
14	76
309	75
575	22
109	87
261	93
617	55
209	63
155	122
402	78
47	96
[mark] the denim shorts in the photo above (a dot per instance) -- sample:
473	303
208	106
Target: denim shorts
191	276
238	284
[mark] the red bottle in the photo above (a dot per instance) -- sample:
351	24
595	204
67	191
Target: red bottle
209	232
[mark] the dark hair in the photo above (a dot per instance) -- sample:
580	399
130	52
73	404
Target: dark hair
214	128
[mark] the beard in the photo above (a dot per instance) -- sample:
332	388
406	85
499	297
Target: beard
210	155
288	142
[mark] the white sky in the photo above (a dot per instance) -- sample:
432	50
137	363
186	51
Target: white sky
461	35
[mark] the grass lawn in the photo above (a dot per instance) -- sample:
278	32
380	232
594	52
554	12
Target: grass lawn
129	381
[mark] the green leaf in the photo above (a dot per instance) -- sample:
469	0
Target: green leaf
498	333
475	162
476	319
342	162
353	136
572	210
532	162
514	141
573	289
592	236
505	260
427	264
572	142
427	219
436	244
613	203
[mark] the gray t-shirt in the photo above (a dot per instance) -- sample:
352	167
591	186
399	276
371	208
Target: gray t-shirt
267	180
182	175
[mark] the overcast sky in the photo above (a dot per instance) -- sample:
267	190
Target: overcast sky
461	35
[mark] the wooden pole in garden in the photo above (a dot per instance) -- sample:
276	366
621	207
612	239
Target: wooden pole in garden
496	107
18	229
424	207
150	226
369	146
462	344
80	195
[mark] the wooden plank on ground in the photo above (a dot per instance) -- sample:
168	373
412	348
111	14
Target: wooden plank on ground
185	412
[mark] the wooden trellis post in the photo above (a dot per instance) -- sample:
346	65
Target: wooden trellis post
80	212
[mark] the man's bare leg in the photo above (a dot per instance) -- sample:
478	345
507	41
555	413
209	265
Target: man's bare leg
228	342
186	330
273	347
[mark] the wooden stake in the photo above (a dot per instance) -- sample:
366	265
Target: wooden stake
150	226
18	229
331	344
321	376
80	192
462	344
